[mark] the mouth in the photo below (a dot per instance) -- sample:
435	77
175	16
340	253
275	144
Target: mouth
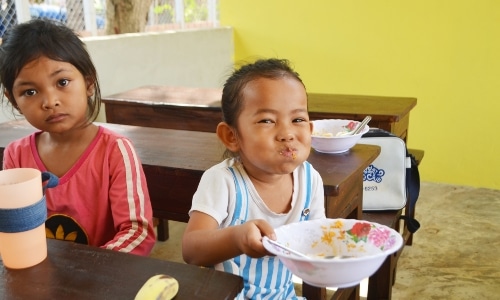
289	152
55	118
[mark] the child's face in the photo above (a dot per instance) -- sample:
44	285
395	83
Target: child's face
51	94
274	132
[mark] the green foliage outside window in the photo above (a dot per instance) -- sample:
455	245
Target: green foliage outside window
195	10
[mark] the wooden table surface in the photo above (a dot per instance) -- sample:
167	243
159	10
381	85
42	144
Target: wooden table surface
198	109
74	271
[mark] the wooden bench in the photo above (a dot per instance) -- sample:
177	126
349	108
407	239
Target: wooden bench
380	284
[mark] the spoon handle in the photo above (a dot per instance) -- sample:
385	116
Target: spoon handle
283	247
362	125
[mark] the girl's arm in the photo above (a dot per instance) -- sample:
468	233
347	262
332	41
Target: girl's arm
129	202
205	244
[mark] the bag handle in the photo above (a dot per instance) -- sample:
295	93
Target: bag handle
412	193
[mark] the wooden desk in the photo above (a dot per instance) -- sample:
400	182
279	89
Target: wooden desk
174	160
388	113
75	271
199	108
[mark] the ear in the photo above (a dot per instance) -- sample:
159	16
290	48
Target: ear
311	125
228	136
90	87
12	101
6	94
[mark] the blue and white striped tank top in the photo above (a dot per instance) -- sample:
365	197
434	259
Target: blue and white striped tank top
266	277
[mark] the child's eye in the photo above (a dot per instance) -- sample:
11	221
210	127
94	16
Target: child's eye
63	82
298	120
266	121
29	93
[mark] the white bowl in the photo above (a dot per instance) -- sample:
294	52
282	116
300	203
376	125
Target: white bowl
365	244
325	139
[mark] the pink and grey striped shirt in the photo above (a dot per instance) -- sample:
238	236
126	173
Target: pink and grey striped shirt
103	200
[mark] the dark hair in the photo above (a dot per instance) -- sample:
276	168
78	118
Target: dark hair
232	93
232	98
42	37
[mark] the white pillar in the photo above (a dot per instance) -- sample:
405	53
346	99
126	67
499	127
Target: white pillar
212	13
89	16
179	12
22	10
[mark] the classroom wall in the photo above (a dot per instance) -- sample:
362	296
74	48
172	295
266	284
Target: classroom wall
445	53
193	58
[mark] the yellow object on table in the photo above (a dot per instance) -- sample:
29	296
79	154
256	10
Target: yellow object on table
160	287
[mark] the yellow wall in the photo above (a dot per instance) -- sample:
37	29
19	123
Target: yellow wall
445	53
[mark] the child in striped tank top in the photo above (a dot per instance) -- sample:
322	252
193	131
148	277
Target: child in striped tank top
263	183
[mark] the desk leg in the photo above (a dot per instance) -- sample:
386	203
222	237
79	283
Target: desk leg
162	230
312	292
380	283
406	233
351	293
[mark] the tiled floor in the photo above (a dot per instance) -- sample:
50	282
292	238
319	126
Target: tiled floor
455	254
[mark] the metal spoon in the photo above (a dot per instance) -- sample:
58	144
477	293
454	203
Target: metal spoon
361	125
300	254
283	247
337	257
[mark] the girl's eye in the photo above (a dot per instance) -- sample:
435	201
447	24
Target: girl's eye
298	120
63	82
266	121
29	93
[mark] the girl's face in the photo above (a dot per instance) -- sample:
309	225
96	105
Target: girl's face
52	95
274	132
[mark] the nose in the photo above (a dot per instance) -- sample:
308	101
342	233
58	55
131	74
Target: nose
50	102
285	137
285	132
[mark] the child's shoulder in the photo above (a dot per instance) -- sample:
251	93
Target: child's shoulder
109	139
21	142
226	163
223	166
109	134
307	167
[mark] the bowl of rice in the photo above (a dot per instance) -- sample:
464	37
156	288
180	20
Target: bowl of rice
338	252
335	135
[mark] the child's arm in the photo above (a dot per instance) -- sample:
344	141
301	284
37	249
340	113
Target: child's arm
129	202
204	244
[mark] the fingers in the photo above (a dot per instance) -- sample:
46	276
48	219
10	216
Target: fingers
251	235
265	229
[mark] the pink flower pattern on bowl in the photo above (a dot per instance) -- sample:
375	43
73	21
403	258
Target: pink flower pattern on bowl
358	236
378	236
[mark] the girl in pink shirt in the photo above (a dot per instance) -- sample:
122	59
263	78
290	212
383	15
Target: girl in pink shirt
102	198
